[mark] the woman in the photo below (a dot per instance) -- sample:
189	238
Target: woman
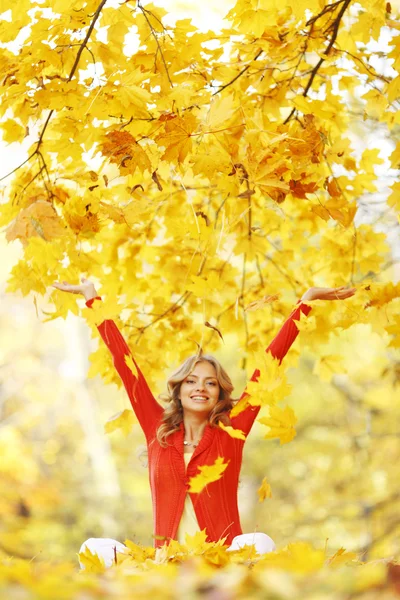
186	435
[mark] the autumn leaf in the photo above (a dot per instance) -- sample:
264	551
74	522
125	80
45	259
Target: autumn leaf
296	557
92	563
235	433
264	491
39	219
208	474
130	363
176	137
261	302
123	420
281	423
270	386
122	149
341	557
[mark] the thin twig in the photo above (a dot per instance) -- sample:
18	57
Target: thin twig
74	67
314	72
239	74
157	42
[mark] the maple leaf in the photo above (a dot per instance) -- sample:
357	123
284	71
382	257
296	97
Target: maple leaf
123	420
208	474
235	433
39	219
176	137
91	561
130	363
261	302
281	424
264	491
298	557
123	150
271	385
341	557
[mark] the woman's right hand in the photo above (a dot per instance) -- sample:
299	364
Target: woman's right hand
86	288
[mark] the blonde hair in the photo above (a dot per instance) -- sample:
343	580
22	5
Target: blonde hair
173	413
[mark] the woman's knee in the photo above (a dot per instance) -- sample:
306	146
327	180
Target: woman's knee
105	548
261	541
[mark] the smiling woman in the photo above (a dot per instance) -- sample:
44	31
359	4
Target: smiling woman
199	390
199	401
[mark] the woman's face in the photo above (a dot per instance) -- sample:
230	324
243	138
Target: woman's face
200	389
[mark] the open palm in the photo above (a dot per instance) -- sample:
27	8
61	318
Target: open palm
321	293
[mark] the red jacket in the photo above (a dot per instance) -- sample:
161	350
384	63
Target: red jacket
215	506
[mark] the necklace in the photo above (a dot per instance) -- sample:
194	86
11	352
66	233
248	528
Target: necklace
185	443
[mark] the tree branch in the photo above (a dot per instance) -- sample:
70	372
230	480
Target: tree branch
335	28
74	67
157	42
239	74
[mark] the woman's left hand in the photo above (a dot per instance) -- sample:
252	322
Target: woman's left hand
319	293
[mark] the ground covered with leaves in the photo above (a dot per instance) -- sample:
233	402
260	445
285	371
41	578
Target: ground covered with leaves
205	570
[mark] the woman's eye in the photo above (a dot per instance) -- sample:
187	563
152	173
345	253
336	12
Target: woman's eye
212	383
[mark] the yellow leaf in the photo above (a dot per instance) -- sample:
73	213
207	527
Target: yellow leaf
261	302
298	557
264	491
271	385
208	474
101	311
203	287
394	329
341	557
131	365
197	541
281	423
307	325
92	562
123	420
240	406
235	433
177	137
221	110
12	131
39	219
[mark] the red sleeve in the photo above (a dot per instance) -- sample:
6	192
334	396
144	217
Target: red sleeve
278	348
145	406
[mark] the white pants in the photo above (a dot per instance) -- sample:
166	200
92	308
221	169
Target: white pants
104	547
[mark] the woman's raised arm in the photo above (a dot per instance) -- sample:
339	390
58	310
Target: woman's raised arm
145	406
283	341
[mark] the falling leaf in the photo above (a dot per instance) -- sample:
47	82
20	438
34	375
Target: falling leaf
208	474
39	219
264	491
123	420
281	424
261	302
235	433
